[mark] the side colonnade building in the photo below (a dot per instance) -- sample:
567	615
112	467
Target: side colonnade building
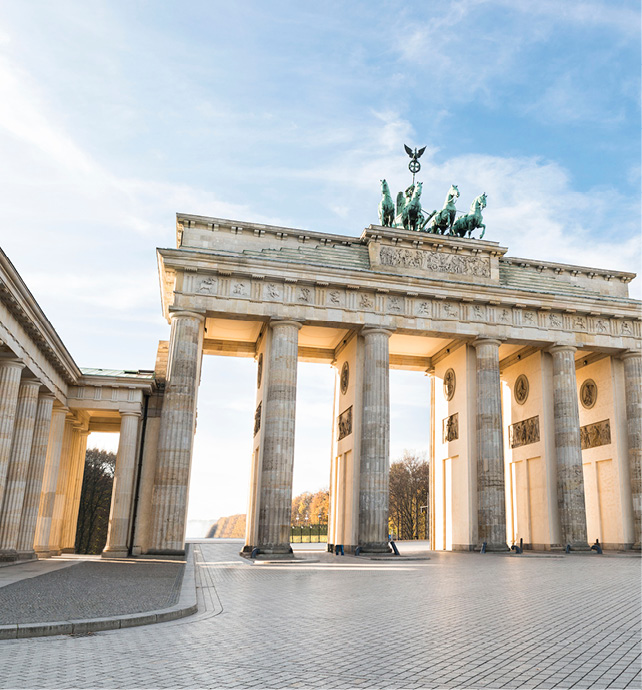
534	390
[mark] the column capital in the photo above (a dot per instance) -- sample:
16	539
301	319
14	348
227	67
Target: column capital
129	413
629	354
46	395
487	341
177	312
561	347
274	322
369	330
12	364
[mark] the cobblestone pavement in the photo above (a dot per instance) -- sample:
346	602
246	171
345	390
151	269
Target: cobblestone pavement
91	590
454	621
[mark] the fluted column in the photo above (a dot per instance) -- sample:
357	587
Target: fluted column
10	372
61	486
16	481
275	504
176	436
50	482
123	489
33	487
491	497
72	500
568	451
375	443
633	393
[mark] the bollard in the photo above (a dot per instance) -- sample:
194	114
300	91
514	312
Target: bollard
357	551
394	547
516	549
597	547
521	544
483	548
568	548
255	552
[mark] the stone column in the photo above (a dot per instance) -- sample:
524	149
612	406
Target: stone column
18	466
491	497
279	400
633	392
568	451
375	443
50	482
61	486
176	435
31	501
72	501
10	372
123	491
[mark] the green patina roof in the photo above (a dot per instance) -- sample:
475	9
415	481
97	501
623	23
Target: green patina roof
120	373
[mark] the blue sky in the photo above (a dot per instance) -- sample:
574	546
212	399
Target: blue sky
116	115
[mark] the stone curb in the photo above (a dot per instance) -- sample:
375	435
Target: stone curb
185	606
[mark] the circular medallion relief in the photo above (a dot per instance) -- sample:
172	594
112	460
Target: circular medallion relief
345	378
521	389
588	394
449	384
259	372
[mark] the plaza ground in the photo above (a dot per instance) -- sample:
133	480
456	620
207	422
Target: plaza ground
448	620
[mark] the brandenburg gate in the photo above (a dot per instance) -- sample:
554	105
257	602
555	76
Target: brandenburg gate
535	393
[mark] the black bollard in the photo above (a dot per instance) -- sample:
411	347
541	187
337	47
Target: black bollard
568	548
483	548
255	552
357	551
597	547
394	547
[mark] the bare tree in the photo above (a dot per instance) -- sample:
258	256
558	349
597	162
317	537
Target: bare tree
95	500
409	489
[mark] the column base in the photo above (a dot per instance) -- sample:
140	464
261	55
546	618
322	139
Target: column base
165	553
115	553
500	547
8	555
27	555
273	551
375	548
581	546
42	553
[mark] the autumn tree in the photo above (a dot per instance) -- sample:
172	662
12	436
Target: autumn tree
95	501
409	489
307	507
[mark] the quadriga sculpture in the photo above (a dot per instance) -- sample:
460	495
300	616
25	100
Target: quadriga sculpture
443	220
411	217
466	224
386	207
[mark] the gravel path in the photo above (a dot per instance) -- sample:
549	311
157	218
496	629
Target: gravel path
91	590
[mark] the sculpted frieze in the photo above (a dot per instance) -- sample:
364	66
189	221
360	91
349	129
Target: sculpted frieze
524	433
395	304
345	423
528	318
450	428
207	285
594	435
272	291
240	288
440	262
305	295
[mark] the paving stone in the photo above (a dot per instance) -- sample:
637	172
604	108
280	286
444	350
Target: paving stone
457	620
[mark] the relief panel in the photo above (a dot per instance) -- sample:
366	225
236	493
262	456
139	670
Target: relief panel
594	435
